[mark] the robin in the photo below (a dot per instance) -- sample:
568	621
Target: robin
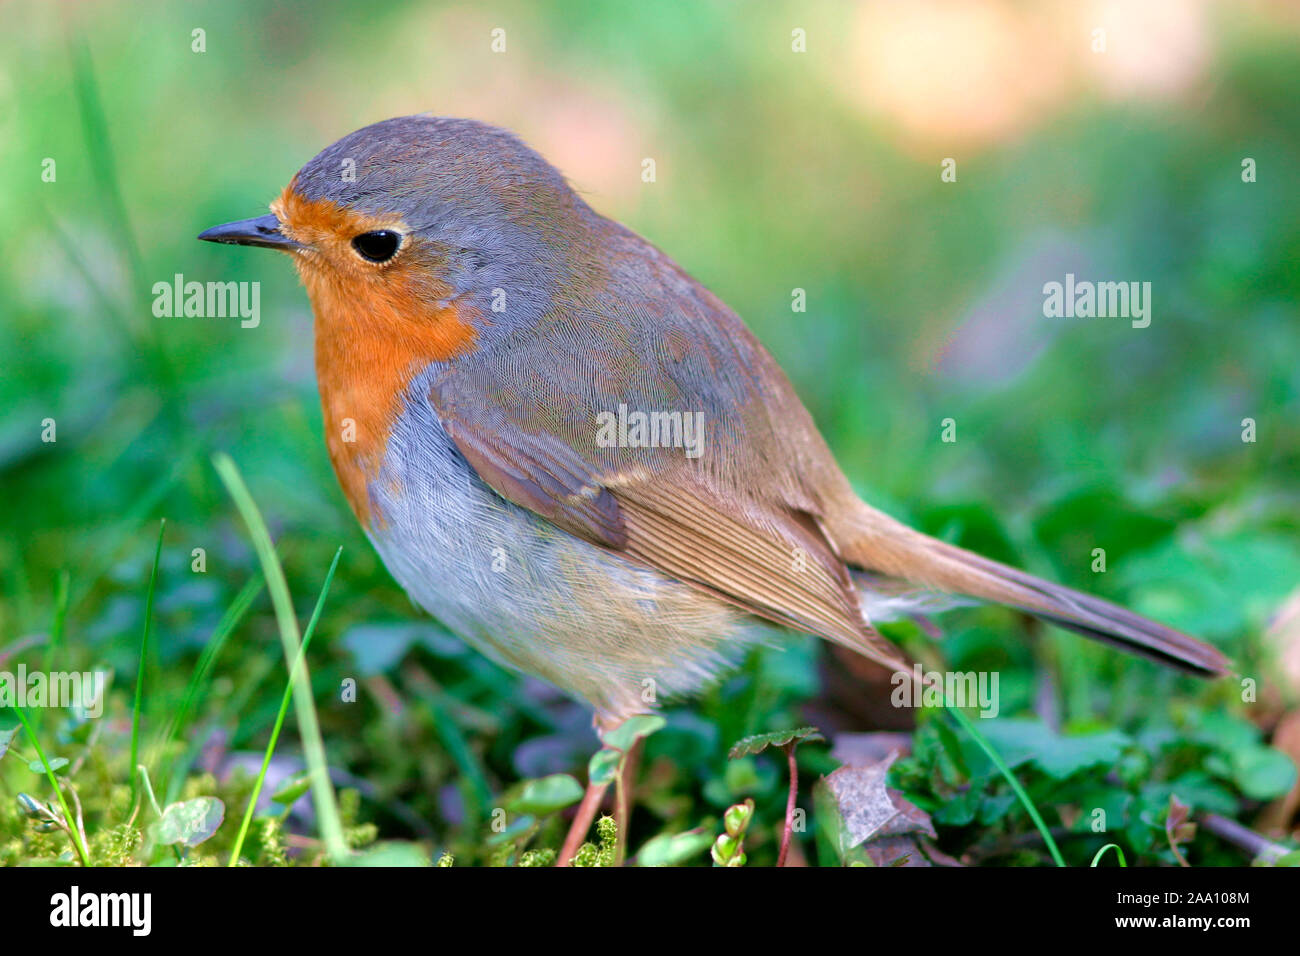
577	457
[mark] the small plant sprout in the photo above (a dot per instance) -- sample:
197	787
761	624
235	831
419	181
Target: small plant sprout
729	847
787	740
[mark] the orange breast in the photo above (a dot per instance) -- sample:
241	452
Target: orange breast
377	326
368	349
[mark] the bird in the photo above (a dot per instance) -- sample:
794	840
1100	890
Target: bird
578	458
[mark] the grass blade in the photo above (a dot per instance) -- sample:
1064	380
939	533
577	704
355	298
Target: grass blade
144	650
327	811
998	762
61	581
1096	860
284	709
73	831
56	628
225	627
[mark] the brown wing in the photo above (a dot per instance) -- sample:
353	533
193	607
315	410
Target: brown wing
777	566
738	522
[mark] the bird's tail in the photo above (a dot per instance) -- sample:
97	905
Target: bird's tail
892	552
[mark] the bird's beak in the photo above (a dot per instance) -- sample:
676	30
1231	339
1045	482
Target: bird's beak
262	231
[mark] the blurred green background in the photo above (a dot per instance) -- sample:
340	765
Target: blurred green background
776	170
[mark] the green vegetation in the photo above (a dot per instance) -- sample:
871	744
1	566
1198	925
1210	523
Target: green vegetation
924	303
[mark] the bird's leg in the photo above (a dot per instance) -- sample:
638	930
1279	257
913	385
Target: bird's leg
582	822
623	785
591	800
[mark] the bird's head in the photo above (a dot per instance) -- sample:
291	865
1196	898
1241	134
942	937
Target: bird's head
449	227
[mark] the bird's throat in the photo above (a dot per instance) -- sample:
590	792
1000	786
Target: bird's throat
368	349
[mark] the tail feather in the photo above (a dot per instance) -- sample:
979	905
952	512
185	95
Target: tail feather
884	546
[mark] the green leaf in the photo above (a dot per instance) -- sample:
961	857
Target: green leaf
189	822
952	761
1102	804
603	766
1193	787
1216	589
737	817
515	829
1263	773
830	831
390	854
994	806
633	729
1057	755
757	743
959	810
546	795
671	849
725	848
742	777
1224	731
288	792
56	764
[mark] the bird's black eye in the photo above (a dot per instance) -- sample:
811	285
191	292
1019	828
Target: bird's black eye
377	246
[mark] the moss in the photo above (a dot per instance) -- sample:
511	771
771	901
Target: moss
270	835
115	846
601	853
